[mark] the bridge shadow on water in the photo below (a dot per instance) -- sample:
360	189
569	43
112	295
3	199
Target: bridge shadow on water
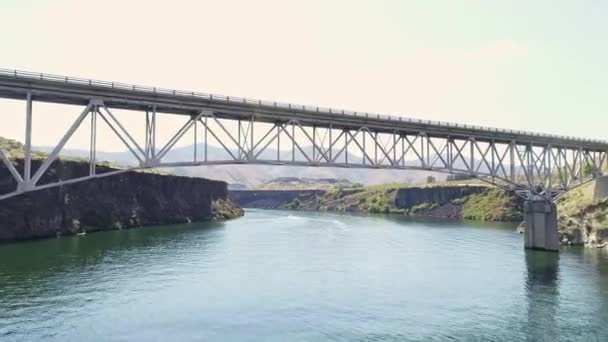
542	295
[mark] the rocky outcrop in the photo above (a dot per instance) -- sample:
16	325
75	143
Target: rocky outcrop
407	198
127	200
272	199
445	201
587	226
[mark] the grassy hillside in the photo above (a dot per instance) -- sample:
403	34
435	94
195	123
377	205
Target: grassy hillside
15	150
490	205
578	209
294	183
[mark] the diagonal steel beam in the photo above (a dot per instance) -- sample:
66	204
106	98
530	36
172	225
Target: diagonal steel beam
311	140
295	143
207	129
180	133
103	117
122	129
11	168
239	147
53	155
362	150
335	157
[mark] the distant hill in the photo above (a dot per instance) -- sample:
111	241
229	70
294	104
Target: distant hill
293	183
253	176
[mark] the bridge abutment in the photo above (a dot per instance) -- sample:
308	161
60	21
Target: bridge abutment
541	225
601	187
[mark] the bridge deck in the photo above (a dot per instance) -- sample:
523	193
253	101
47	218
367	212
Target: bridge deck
68	90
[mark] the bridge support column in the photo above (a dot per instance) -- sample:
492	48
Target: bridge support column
541	225
601	187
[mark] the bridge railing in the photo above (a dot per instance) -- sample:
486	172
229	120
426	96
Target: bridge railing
234	99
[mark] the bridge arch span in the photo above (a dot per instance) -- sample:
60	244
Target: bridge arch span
251	131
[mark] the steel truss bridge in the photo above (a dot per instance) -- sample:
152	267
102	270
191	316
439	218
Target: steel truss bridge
531	164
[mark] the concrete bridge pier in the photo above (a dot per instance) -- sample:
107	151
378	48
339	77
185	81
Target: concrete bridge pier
601	187
541	225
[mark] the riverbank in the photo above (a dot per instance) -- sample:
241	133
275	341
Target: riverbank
583	220
457	201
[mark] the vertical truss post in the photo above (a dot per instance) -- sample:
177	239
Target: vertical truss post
364	150
493	150
27	166
394	147
195	159
239	127
314	143
331	143
376	148
251	150
581	174
472	155
422	151
530	157
450	159
403	151
549	170
150	148
205	137
93	142
512	147
346	142
279	127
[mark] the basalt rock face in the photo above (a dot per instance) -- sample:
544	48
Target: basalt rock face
126	200
441	201
271	199
407	198
588	226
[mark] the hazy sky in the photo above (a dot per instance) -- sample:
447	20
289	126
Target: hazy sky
531	65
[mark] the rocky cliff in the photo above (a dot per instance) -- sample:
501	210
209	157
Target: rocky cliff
445	201
272	199
131	199
583	219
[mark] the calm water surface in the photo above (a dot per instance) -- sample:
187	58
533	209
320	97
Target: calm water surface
285	276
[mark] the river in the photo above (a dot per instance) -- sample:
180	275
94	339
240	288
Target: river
293	276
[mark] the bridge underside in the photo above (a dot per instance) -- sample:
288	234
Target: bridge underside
225	130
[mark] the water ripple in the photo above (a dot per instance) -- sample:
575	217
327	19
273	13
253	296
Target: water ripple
276	276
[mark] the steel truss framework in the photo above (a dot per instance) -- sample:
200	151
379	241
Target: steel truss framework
530	167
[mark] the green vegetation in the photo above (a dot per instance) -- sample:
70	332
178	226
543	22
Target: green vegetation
423	206
348	186
579	209
294	183
15	150
295	204
224	210
373	199
576	200
492	205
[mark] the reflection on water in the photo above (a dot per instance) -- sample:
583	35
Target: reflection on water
542	292
277	276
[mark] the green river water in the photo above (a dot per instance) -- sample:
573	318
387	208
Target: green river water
293	276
